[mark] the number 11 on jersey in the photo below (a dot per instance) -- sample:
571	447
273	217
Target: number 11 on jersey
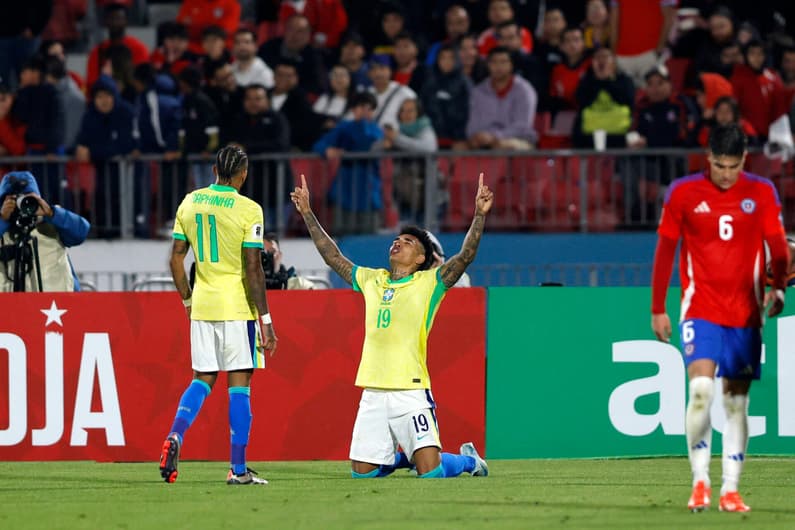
200	238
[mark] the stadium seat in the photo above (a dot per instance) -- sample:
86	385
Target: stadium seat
677	70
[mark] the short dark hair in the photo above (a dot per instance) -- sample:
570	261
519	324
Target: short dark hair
241	31
191	76
54	67
214	31
422	235
727	140
272	237
145	73
363	98
732	103
499	49
230	161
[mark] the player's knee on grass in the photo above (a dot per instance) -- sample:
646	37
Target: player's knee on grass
701	389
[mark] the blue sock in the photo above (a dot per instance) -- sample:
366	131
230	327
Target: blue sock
240	425
372	474
401	461
189	406
439	472
454	465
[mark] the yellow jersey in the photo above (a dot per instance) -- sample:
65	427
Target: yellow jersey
217	222
398	318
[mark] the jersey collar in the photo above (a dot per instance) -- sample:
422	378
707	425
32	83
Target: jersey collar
402	280
218	187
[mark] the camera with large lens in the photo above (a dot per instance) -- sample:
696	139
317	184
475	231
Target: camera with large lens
24	217
273	279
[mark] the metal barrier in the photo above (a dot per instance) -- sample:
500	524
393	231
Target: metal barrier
561	190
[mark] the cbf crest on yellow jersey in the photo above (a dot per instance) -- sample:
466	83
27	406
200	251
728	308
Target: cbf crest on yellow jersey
399	316
217	222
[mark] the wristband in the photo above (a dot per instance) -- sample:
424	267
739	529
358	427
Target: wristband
187	301
780	294
266	318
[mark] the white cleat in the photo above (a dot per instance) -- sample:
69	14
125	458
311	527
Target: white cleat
481	468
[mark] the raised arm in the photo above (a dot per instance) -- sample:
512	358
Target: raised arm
452	270
328	249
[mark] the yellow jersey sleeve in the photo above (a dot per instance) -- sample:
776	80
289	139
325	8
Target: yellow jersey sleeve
253	227
179	230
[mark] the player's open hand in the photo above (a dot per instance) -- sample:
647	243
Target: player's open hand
661	325
269	339
484	198
300	197
774	302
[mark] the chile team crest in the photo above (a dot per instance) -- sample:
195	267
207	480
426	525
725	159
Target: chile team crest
748	205
388	295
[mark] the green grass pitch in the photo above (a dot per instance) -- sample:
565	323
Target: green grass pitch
607	494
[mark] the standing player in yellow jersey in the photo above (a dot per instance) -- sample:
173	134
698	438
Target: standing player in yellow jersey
225	230
397	407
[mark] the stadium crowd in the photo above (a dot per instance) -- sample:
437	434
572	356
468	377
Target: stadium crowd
278	76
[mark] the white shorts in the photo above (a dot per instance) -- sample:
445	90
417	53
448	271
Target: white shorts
224	345
388	418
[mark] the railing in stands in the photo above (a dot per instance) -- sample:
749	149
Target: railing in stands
551	191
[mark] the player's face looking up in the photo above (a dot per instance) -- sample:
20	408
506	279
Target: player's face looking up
725	170
406	250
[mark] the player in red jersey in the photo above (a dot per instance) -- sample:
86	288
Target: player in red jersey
723	217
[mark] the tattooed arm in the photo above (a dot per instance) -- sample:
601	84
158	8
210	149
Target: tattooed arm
328	249
177	264
452	270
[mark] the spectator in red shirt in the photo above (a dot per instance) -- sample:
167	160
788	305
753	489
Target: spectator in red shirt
408	71
566	75
63	24
328	20
116	23
501	11
639	33
787	72
200	14
758	89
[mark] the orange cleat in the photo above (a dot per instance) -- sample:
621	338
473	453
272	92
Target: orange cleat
732	502
699	499
169	458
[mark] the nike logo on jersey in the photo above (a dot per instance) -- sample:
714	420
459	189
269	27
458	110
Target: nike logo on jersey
702	207
421	437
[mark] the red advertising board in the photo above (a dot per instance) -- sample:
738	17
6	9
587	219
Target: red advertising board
97	376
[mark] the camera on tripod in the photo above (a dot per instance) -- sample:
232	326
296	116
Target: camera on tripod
24	253
23	220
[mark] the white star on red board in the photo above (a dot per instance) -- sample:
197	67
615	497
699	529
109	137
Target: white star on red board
53	314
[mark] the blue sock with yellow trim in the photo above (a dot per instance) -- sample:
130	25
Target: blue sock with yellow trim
240	426
454	465
189	406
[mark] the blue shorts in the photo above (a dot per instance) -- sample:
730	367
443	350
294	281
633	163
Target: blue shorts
736	351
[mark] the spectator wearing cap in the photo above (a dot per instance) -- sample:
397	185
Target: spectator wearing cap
249	69
439	258
106	131
200	129
408	70
352	55
289	98
758	89
639	33
663	119
355	193
502	108
115	19
605	98
445	97
389	94
456	25
173	55
295	47
197	15
501	11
